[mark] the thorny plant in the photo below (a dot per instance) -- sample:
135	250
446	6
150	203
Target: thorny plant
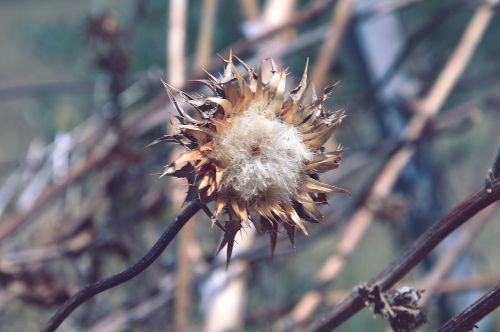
206	140
400	307
256	151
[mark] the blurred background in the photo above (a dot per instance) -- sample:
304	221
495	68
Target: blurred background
80	199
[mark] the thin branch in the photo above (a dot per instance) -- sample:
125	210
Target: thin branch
91	163
462	284
447	259
458	62
316	8
411	43
177	13
13	261
128	315
383	7
306	15
93	289
466	320
177	69
340	20
206	33
69	238
478	201
275	13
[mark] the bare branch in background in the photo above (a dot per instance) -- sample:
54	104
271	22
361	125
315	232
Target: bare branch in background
176	46
461	284
445	262
384	7
456	65
340	20
206	33
303	16
123	319
91	290
93	162
275	12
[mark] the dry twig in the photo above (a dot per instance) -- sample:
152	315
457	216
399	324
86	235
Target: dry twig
206	33
445	262
176	29
338	25
467	320
91	163
487	195
426	108
91	290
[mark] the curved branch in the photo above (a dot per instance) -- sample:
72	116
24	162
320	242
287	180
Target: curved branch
466	320
486	196
93	289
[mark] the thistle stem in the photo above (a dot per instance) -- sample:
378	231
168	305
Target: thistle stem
466	320
476	202
98	287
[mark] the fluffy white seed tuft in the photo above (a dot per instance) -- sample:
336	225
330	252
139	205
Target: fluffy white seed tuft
263	156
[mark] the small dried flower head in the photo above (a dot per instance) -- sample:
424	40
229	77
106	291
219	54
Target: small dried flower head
256	151
263	157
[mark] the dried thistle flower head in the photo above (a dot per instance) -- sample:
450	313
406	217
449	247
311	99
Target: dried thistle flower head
256	151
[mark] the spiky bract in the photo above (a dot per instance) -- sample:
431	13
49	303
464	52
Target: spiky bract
256	151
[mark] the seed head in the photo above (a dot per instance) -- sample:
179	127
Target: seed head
256	151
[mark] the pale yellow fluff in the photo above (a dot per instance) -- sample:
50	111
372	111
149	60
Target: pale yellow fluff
263	156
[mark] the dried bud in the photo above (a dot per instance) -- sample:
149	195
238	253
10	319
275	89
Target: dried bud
256	151
401	307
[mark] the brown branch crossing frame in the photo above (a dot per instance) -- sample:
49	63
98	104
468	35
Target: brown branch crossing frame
466	320
487	195
93	289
